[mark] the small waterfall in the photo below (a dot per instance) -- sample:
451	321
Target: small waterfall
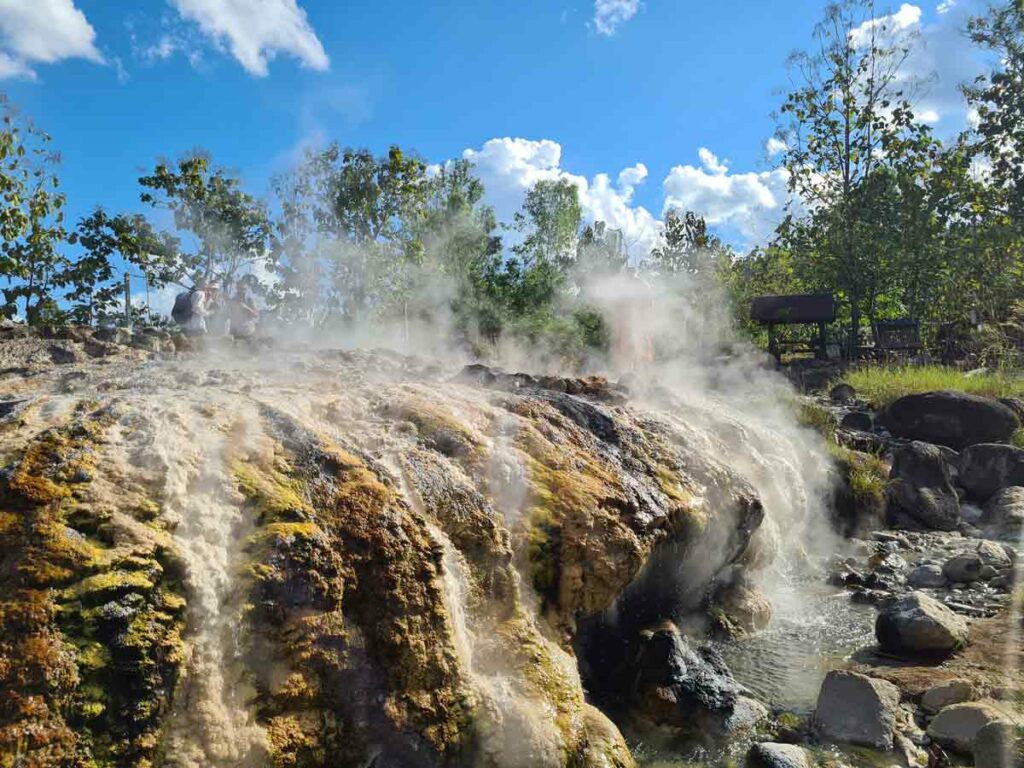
210	724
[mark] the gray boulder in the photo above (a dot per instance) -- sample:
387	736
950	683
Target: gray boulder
956	419
984	562
939	696
917	624
921	492
770	755
987	468
956	726
999	745
926	576
1003	516
857	709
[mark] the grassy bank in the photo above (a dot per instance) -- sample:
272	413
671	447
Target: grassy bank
880	385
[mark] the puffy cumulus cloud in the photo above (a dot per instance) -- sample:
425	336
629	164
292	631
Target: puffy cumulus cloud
744	207
43	32
509	167
609	14
255	33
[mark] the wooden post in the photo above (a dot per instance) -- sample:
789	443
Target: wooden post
127	301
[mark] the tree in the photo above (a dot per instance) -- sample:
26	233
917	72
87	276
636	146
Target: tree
349	218
848	117
95	293
230	228
999	101
31	222
601	250
687	248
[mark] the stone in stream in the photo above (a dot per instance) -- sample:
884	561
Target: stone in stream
954	419
860	421
956	726
918	624
921	492
999	745
984	562
943	695
1003	516
770	755
856	709
988	468
928	576
842	393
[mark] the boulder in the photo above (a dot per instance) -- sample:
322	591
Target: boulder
63	354
1015	404
984	562
918	624
953	692
842	393
999	745
741	609
114	335
1003	516
956	419
857	709
921	490
926	576
987	468
956	726
677	686
770	755
857	420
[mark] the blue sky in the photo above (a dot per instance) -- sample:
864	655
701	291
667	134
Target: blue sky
643	104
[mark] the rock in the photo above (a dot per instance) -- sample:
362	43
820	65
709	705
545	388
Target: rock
742	608
842	393
987	560
987	468
771	755
926	576
99	349
955	419
956	726
676	685
857	709
1003	515
945	694
921	488
1015	404
858	420
918	624
999	745
121	336
744	716
62	355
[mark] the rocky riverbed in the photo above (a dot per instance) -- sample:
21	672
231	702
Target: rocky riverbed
310	557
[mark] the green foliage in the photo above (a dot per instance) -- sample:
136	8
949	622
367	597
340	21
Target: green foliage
882	384
230	227
31	222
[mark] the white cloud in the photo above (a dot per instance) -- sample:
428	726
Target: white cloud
509	167
744	207
255	33
609	14
43	32
940	59
775	146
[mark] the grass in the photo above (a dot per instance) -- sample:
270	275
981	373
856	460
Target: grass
881	385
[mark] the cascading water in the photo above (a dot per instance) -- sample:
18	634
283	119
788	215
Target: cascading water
189	445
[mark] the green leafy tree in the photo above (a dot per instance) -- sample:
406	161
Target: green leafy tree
229	228
686	247
31	223
846	120
353	213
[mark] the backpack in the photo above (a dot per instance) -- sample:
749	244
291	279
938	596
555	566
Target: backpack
182	311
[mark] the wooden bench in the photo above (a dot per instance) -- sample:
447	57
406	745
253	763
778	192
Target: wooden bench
800	309
897	337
